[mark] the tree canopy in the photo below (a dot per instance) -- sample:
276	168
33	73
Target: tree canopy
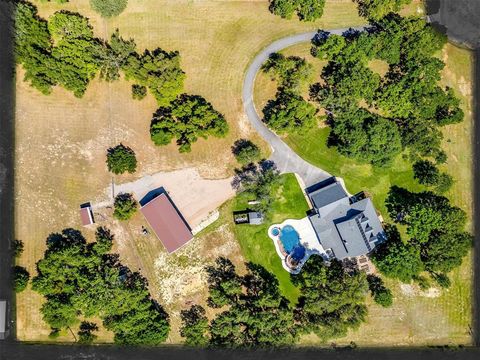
125	206
306	10
186	119
380	293
396	259
332	300
121	159
289	113
246	152
377	9
20	278
194	326
80	280
408	97
437	239
257	314
290	71
109	8
365	136
64	51
259	180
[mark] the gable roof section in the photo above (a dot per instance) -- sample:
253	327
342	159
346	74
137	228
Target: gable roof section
167	223
328	195
349	230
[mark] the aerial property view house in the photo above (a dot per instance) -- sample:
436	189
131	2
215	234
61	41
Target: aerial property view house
166	222
338	227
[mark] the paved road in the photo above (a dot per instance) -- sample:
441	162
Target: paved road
7	104
285	158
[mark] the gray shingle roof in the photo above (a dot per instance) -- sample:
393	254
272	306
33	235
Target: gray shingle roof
328	195
349	230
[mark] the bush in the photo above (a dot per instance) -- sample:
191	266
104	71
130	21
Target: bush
138	92
85	334
444	183
121	159
20	278
125	206
18	247
425	172
422	282
246	152
108	8
442	280
381	294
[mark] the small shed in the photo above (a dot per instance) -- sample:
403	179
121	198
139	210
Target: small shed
86	214
3	320
255	218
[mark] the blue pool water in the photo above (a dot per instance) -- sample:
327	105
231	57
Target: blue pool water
275	231
289	238
298	253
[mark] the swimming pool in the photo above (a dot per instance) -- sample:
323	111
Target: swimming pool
289	238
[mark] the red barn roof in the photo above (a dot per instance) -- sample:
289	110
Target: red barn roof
167	223
86	215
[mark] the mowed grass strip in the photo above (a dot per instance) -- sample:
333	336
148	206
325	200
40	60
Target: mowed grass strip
255	243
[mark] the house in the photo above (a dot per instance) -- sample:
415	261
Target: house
86	214
3	320
345	226
167	223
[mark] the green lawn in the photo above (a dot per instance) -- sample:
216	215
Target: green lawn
256	246
375	181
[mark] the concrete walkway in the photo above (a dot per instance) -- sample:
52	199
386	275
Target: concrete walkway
284	157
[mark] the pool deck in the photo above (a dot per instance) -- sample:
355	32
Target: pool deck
308	239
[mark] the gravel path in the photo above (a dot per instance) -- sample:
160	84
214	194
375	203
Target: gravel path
286	159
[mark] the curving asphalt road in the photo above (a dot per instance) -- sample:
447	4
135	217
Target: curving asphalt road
284	157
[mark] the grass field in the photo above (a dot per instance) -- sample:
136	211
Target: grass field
416	318
61	140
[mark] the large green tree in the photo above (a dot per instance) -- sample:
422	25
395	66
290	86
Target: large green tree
258	180
377	9
109	8
289	113
290	71
20	278
121	159
366	137
194	326
186	119
159	71
307	10
332	300
125	206
396	259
